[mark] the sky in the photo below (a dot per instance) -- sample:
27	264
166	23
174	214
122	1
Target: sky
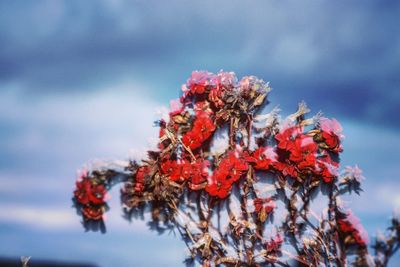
82	81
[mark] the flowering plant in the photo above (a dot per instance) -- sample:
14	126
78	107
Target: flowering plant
240	186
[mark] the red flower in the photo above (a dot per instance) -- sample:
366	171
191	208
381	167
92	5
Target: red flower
263	207
264	203
170	169
97	194
352	230
218	185
303	153
286	137
327	168
263	158
192	140
81	191
87	192
93	212
331	133
91	196
230	170
236	166
140	176
219	188
186	169
203	128
199	174
332	141
286	168
204	125
199	81
327	175
176	170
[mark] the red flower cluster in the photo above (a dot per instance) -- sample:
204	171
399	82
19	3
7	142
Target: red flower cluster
183	170
203	128
140	177
179	187
300	154
327	168
263	207
229	170
331	133
88	193
352	230
287	137
199	174
199	82
297	151
262	158
92	198
93	212
212	86
304	153
176	170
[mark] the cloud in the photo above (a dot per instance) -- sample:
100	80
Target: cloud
44	134
388	193
339	58
47	139
46	218
373	148
52	217
43	141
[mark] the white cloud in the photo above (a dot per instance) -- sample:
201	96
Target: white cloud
390	194
61	127
48	218
65	218
374	150
12	183
57	134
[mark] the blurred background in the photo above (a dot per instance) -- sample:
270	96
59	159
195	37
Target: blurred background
82	80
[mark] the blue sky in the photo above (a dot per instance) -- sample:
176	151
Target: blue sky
82	80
